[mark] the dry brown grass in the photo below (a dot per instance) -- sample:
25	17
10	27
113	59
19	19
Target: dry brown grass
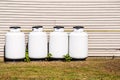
91	69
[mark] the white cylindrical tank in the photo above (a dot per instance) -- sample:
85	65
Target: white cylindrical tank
15	44
37	43
78	43
58	43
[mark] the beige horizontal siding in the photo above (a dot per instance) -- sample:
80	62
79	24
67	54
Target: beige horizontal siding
100	18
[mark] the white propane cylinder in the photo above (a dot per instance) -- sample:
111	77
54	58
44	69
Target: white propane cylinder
58	43
78	43
37	44
15	44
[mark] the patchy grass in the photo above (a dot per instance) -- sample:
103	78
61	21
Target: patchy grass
91	69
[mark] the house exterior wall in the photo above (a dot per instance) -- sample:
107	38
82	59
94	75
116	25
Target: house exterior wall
101	19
